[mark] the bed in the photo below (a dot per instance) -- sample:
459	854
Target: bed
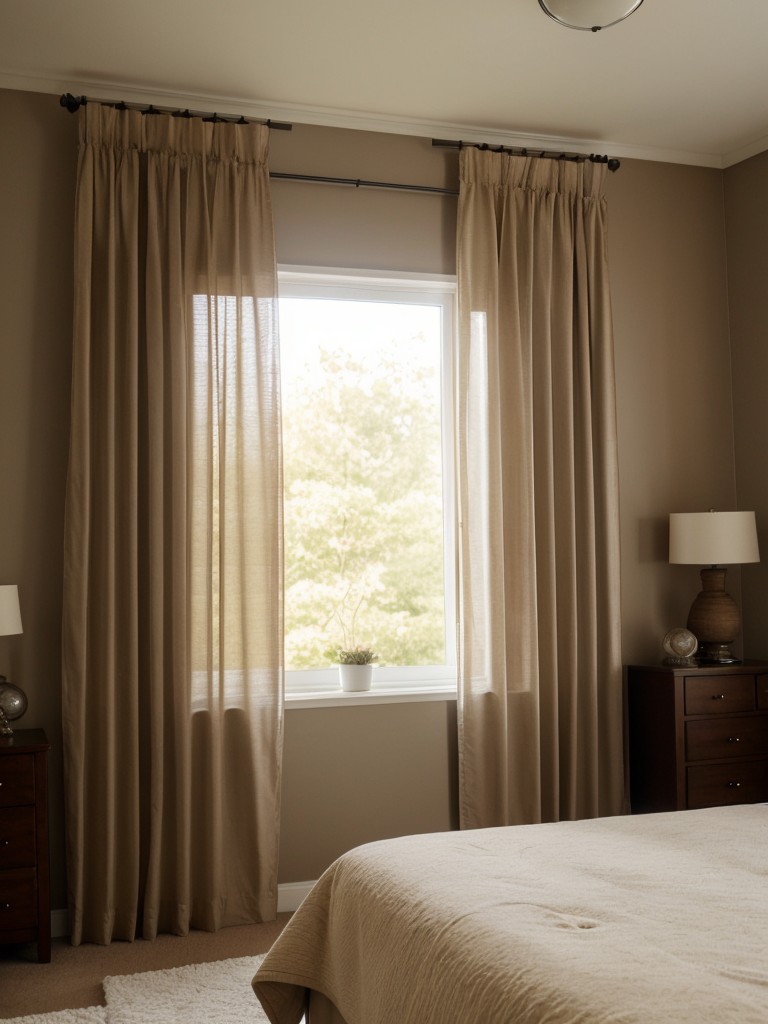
631	920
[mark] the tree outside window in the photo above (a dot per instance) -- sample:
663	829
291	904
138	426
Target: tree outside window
363	464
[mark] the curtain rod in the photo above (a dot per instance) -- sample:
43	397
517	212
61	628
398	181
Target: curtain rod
548	154
73	103
362	183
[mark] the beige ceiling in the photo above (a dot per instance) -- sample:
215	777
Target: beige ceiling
680	80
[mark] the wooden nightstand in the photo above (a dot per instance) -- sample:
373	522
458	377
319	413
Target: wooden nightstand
25	900
698	737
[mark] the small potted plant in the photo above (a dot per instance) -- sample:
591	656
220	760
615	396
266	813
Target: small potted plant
355	667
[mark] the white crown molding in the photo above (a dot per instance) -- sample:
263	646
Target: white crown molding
332	118
745	152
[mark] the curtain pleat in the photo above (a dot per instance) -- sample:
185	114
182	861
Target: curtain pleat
172	634
540	732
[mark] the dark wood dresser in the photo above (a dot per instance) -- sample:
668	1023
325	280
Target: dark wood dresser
25	901
698	737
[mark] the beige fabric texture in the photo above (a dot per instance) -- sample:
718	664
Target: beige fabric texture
540	729
172	688
647	918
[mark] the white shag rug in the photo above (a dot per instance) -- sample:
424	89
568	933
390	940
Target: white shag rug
212	993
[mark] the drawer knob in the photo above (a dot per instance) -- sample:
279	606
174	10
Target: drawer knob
5	906
718	696
5	842
734	785
733	739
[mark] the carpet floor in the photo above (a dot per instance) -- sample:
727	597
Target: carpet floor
209	993
73	979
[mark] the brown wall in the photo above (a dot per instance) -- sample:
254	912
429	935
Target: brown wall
37	176
746	206
342	226
668	279
355	774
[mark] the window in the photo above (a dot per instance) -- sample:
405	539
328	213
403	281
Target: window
368	467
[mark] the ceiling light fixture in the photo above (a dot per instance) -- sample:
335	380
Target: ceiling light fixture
589	15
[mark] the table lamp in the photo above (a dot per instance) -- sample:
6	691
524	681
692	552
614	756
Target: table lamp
714	540
13	701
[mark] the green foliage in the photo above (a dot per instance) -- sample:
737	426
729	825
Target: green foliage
355	656
363	508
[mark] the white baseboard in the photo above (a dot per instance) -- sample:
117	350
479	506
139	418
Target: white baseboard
289	896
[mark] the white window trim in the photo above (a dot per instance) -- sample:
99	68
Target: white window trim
336	699
408	683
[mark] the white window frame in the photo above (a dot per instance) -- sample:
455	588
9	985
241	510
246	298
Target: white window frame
312	688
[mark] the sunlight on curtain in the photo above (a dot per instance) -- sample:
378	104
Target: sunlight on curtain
540	665
172	694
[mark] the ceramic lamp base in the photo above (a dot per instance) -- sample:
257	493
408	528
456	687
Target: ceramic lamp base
714	618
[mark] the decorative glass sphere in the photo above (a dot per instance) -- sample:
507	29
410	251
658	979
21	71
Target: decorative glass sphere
13	701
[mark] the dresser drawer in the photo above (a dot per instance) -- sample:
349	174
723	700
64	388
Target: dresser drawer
709	738
17	780
737	783
17	837
712	695
25	900
762	692
18	899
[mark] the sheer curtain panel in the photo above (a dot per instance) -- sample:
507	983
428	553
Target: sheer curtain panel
539	662
172	638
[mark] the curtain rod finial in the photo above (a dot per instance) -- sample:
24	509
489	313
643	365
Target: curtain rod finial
72	103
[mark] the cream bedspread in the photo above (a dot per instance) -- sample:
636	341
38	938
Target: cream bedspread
639	920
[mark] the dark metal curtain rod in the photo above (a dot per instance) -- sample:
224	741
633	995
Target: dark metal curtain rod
362	183
612	162
73	103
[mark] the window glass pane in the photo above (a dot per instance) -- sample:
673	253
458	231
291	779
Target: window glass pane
364	530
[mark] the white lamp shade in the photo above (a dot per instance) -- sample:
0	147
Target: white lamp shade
10	613
712	538
589	15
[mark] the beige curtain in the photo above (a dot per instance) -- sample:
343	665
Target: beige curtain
172	689
539	660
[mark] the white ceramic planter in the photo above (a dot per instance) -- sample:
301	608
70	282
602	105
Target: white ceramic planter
355	677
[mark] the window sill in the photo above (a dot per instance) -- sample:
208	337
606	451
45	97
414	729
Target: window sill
339	698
